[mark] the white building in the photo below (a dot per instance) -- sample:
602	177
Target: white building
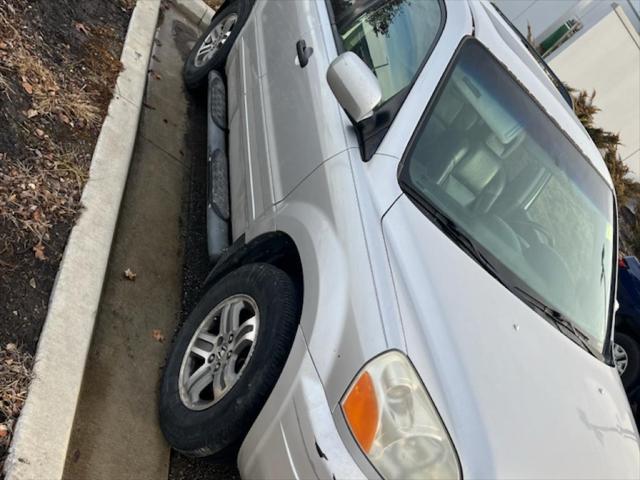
592	45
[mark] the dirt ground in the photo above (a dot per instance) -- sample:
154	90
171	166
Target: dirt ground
58	64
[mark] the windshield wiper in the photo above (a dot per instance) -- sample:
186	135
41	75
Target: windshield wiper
559	320
463	241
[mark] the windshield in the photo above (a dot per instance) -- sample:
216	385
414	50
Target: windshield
489	160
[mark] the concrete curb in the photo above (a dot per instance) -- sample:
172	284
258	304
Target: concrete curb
41	440
196	11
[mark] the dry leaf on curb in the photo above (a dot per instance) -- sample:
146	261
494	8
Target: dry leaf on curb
129	275
157	335
32	113
27	87
39	132
39	252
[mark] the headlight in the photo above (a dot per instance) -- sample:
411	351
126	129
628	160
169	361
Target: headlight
394	421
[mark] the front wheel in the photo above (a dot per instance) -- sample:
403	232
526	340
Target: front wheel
226	359
212	48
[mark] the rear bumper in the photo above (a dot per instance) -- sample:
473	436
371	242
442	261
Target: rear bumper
295	435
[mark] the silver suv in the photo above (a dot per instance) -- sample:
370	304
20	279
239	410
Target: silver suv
415	245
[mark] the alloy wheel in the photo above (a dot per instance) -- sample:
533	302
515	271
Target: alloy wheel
215	40
218	352
620	358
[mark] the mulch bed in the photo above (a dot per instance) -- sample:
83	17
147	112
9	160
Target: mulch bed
58	64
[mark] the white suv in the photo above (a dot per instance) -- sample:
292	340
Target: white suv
415	246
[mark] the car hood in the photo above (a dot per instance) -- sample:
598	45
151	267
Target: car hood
519	399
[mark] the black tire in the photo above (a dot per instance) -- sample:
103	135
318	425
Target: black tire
219	429
631	376
195	76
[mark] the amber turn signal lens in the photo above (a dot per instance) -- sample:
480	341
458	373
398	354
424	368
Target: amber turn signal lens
360	408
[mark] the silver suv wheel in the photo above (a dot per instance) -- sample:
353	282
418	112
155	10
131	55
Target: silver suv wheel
215	40
218	352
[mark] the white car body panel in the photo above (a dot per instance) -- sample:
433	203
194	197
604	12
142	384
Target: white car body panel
299	423
323	219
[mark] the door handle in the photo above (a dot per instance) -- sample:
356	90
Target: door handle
304	53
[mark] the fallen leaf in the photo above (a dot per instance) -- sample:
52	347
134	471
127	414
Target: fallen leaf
27	87
39	251
32	282
11	347
81	28
32	113
4	430
39	132
3	45
157	335
129	275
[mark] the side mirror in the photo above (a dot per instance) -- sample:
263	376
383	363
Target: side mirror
354	85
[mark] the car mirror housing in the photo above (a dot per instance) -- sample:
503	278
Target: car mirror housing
354	85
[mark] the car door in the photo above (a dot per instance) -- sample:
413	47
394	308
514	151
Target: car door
283	118
303	121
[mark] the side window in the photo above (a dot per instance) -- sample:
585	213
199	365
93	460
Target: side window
393	37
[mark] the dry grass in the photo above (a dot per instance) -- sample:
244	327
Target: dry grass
56	80
52	95
35	194
67	101
15	376
5	88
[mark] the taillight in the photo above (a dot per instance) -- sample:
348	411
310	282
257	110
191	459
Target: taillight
622	263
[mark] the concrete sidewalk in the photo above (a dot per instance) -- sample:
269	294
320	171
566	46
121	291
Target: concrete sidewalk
116	433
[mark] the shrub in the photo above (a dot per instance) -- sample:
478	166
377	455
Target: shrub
627	189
